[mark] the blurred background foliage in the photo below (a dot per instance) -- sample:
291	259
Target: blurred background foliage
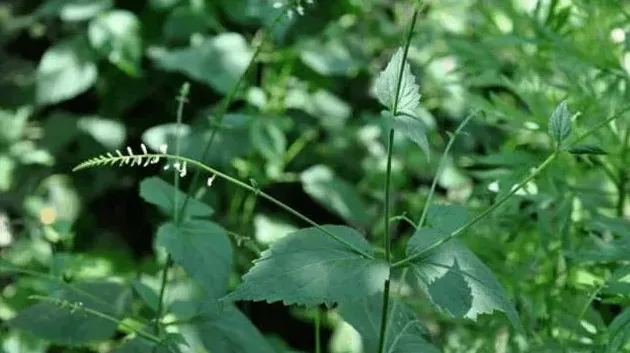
83	77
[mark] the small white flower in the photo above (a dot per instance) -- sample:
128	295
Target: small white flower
166	166
211	180
144	148
164	148
118	153
183	171
300	10
176	166
277	5
129	151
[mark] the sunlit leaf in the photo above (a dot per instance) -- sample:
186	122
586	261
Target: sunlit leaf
162	194
116	36
386	86
560	123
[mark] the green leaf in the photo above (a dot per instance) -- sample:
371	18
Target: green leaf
336	194
148	295
65	71
455	279
447	218
587	149
218	61
329	59
619	331
61	326
560	123
227	330
160	193
386	86
203	249
413	129
108	132
310	268
405	334
141	345
116	36
268	139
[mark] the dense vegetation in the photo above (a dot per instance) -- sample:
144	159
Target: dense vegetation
338	176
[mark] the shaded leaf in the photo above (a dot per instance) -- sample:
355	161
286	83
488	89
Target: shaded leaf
413	129
268	139
336	194
587	149
405	333
386	86
619	331
218	61
203	249
66	70
61	326
447	218
329	59
560	123
309	268
116	36
161	194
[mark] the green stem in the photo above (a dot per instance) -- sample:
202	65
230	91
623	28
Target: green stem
623	175
75	306
384	315
483	214
223	108
177	216
390	148
318	324
257	191
441	165
388	175
598	126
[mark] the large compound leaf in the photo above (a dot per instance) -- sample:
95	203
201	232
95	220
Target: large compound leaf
309	268
405	334
203	249
65	71
63	326
386	86
336	194
450	274
218	61
160	193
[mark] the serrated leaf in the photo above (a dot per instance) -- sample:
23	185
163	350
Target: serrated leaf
203	249
447	218
161	194
560	123
405	333
227	330
61	326
412	128
386	86
587	149
116	36
619	331
452	276
310	268
336	194
65	71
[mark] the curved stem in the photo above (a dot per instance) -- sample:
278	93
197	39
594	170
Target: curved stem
318	324
440	168
483	214
77	307
623	174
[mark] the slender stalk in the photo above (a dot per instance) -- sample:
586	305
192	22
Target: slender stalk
255	190
388	175
223	108
623	174
177	216
441	165
599	125
483	214
318	324
384	315
77	307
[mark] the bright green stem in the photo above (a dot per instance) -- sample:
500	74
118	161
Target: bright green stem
178	216
384	315
318	329
388	176
440	168
483	214
255	190
623	174
77	307
223	108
